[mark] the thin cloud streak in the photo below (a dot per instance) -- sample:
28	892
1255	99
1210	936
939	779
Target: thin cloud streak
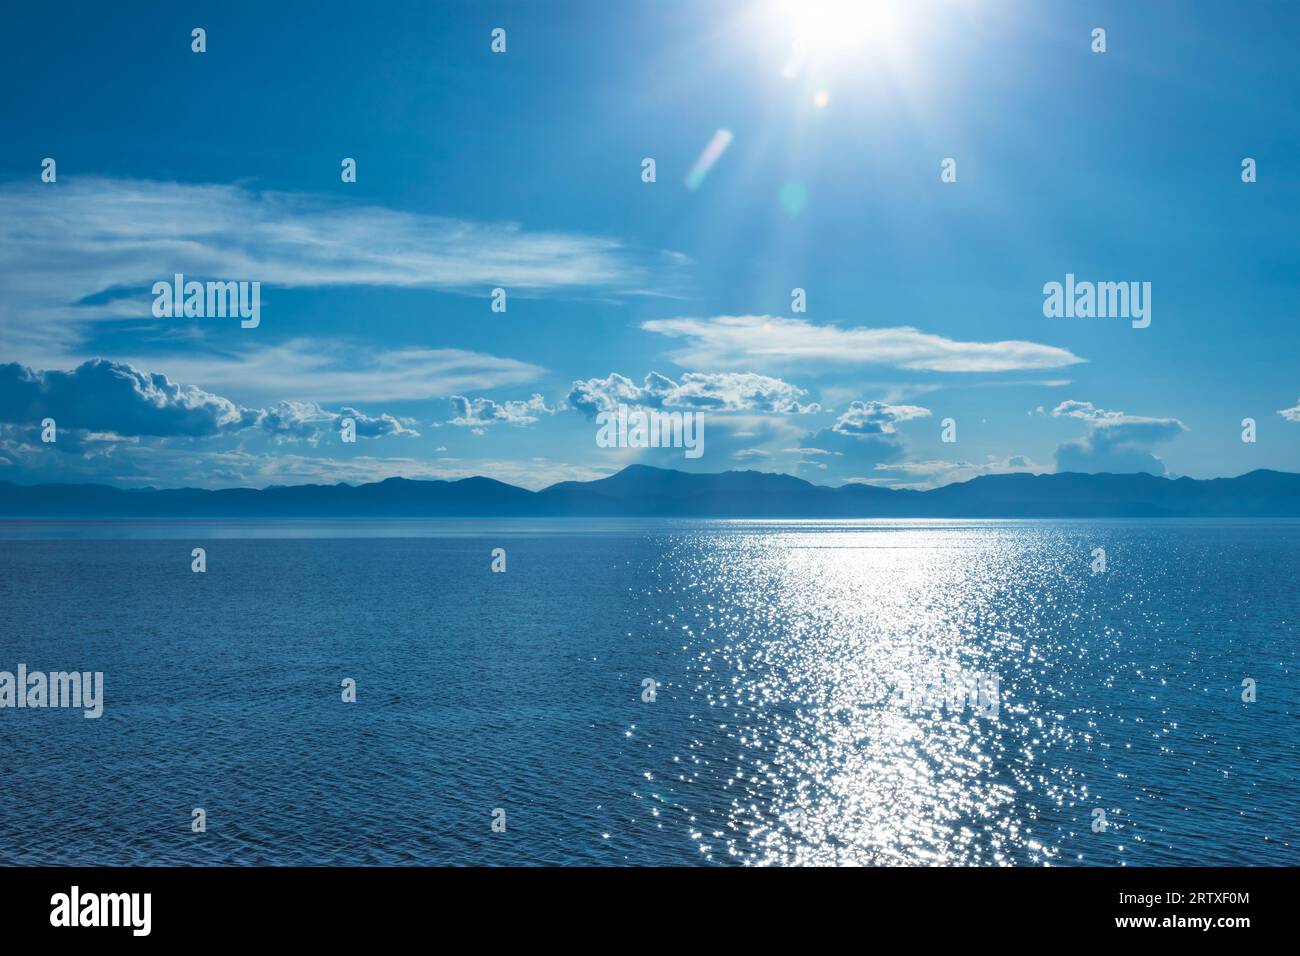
341	371
729	341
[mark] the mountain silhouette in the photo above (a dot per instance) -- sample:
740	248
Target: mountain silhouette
642	491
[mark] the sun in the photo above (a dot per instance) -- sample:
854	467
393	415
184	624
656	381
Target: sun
836	59
822	30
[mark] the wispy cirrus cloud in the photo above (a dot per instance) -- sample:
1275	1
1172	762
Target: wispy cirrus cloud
81	250
933	474
810	451
773	341
347	371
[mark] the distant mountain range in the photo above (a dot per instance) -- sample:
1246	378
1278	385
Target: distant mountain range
642	491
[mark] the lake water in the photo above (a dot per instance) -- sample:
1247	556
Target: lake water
786	727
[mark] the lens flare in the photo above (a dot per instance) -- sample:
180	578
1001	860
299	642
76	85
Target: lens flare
793	197
706	160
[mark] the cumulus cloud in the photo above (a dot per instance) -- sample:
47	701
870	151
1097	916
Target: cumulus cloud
100	395
875	418
700	391
767	341
294	420
105	398
307	421
479	413
864	434
1291	414
1116	442
380	426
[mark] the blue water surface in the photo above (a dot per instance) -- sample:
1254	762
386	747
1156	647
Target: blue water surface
777	733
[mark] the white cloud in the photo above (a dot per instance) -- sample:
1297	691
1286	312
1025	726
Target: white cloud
1103	418
292	421
478	413
1116	442
716	392
768	341
1291	414
876	418
934	474
307	369
102	398
107	240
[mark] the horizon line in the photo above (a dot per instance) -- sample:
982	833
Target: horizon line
638	465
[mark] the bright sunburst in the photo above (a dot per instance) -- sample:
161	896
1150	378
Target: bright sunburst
827	28
835	33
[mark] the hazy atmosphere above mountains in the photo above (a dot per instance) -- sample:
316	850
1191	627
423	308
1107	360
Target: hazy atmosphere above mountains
922	299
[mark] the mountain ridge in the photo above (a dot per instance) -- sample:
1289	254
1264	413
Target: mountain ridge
645	491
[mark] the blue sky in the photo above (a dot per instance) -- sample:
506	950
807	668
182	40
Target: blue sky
523	170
